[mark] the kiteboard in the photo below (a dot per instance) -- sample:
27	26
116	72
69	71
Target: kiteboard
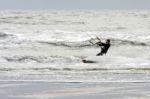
88	61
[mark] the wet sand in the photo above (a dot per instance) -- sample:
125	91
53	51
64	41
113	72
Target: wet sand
74	90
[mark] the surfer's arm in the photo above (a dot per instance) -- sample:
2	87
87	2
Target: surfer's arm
100	44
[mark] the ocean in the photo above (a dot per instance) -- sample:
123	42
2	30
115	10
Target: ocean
48	46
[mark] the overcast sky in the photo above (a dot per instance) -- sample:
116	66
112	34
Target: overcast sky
73	4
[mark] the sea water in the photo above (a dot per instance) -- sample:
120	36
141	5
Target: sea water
50	46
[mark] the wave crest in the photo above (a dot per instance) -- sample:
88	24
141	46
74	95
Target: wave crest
114	42
42	59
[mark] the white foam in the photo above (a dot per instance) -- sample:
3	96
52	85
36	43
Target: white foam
30	28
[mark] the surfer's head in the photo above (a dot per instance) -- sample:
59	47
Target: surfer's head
107	41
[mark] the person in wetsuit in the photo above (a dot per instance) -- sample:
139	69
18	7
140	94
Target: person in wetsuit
104	47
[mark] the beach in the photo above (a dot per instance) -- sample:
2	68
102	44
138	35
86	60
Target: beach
74	90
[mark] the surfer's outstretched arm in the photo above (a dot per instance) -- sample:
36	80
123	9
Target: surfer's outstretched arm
100	44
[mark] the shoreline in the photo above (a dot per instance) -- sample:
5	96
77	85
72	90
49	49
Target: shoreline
74	90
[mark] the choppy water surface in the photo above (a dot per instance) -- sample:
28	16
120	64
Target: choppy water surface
49	46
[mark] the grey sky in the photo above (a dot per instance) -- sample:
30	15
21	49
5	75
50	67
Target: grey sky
74	4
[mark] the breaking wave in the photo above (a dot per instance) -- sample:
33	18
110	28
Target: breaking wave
118	42
114	42
68	44
41	59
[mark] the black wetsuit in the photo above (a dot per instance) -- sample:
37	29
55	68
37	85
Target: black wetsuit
104	48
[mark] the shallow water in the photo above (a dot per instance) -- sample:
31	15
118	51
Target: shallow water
50	46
